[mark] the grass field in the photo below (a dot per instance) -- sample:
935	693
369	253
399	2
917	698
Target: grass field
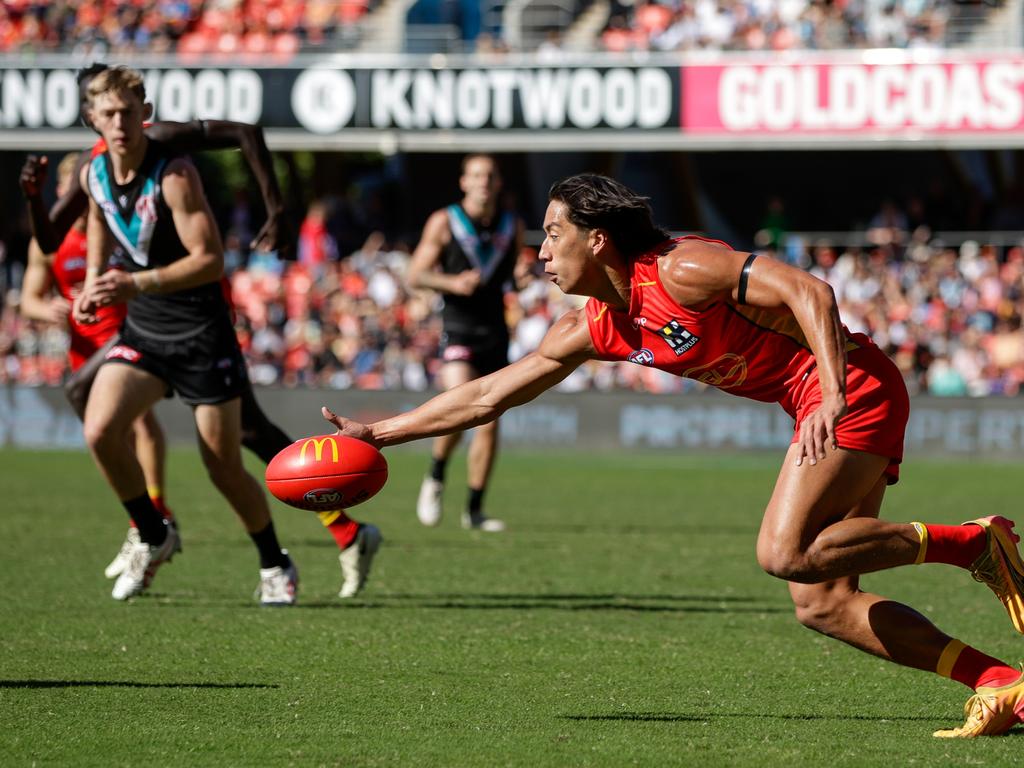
622	620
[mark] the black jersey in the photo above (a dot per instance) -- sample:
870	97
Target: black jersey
490	250
143	227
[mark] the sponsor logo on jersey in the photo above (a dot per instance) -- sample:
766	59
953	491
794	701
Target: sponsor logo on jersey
641	357
318	448
677	337
121	352
323	497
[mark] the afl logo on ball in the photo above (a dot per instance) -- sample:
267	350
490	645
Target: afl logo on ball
641	357
323	497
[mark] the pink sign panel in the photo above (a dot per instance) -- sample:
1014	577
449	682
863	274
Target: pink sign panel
947	97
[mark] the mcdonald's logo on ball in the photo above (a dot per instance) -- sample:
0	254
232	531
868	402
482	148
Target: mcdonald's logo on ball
326	472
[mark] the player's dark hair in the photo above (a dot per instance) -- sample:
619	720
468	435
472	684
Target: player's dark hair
83	77
598	202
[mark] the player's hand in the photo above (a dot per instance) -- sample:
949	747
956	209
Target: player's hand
58	310
464	283
112	287
33	175
276	234
818	430
83	310
350	428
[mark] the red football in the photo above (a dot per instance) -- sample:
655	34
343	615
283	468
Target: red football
326	472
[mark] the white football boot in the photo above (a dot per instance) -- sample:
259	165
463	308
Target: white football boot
480	522
120	561
279	586
142	564
428	505
357	558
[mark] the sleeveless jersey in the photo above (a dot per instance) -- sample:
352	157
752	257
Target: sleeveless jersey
742	350
142	226
68	269
490	250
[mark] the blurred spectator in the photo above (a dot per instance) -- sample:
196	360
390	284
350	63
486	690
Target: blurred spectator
778	25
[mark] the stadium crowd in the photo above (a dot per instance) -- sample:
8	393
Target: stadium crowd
951	317
284	27
774	25
198	27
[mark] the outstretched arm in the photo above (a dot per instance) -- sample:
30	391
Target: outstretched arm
566	346
199	135
697	273
50	227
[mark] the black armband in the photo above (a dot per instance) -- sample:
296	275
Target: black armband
741	293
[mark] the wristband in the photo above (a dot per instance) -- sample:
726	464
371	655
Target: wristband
146	281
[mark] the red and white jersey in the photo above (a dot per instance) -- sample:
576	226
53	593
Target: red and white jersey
743	350
68	270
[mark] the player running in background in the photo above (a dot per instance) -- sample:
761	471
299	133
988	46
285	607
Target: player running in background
758	328
468	252
177	333
357	542
64	271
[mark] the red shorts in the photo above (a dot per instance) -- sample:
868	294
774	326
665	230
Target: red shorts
877	405
84	347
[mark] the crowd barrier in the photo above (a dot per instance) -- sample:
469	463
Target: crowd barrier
39	417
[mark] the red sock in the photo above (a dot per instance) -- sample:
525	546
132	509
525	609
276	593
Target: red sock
974	669
954	544
343	529
161	507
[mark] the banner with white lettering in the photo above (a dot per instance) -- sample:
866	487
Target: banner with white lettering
869	94
323	100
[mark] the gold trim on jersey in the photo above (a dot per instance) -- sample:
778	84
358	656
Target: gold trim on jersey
599	315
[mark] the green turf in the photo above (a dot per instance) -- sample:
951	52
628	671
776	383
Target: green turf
622	620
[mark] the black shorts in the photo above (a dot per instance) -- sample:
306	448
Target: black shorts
206	369
485	354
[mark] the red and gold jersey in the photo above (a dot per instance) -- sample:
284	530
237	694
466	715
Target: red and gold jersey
68	270
743	350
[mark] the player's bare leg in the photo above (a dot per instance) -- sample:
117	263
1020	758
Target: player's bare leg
483	449
806	535
122	394
219	430
429	508
871	623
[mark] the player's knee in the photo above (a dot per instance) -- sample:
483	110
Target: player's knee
101	435
784	562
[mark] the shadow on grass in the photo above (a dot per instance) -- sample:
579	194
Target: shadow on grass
123	684
524	602
559	597
668	717
718	529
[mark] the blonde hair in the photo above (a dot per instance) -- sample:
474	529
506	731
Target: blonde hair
118	79
67	166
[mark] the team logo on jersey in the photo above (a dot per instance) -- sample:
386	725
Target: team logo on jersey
145	208
726	372
641	356
677	337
